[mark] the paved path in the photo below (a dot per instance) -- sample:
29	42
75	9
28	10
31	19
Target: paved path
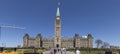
67	52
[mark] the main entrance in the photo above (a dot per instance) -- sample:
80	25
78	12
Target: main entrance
57	45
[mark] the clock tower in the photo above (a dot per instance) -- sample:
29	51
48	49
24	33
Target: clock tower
57	38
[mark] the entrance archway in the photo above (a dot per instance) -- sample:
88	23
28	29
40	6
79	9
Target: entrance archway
57	45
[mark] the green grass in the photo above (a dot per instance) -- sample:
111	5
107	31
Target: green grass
30	50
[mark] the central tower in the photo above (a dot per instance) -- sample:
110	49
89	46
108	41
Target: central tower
57	38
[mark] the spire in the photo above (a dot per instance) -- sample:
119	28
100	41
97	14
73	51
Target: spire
58	10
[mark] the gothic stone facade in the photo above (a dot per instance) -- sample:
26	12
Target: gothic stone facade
57	40
76	41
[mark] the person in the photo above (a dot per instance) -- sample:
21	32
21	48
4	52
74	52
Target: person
61	50
41	53
51	52
55	51
77	52
115	51
108	51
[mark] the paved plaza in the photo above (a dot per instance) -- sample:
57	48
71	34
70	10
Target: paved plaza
59	51
67	52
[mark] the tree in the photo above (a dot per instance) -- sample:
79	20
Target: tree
98	42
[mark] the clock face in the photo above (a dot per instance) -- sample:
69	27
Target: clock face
58	18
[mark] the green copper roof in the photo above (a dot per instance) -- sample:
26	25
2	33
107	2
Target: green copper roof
58	12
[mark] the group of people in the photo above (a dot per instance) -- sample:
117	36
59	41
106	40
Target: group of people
108	51
61	51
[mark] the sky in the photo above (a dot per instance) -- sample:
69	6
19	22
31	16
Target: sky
101	18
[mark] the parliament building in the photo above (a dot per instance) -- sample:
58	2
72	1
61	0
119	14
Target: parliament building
58	41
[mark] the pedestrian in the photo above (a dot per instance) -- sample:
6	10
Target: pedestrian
108	51
51	52
61	50
41	53
58	50
77	52
55	51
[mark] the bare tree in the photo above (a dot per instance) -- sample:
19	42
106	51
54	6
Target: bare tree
98	42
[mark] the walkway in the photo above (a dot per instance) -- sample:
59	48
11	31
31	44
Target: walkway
67	52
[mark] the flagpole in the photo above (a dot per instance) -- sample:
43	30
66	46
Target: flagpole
58	2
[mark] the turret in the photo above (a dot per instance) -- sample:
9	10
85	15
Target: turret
90	41
25	40
77	41
38	41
